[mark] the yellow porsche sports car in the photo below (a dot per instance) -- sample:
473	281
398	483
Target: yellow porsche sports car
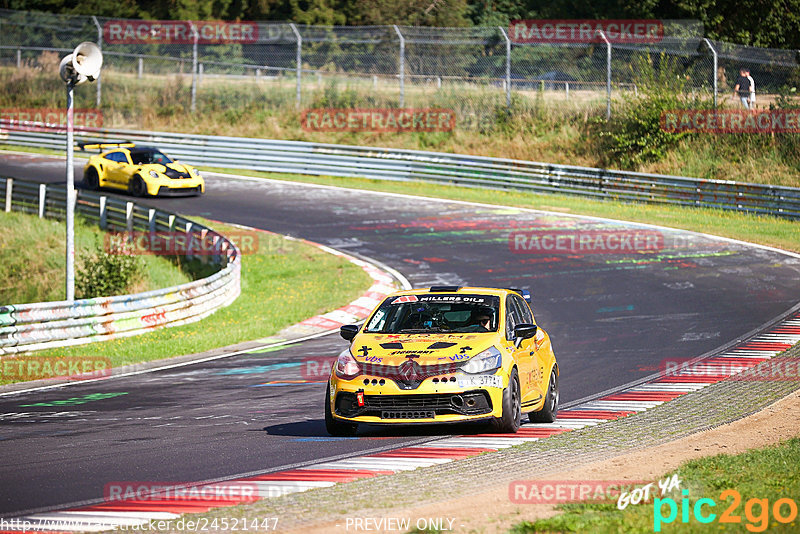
443	355
139	170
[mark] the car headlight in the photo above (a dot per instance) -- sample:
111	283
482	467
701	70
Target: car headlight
483	362
154	174
347	366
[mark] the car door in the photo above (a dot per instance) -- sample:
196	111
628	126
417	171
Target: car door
523	353
116	169
530	372
540	362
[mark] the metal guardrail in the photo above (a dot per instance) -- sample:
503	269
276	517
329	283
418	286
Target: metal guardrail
29	327
475	171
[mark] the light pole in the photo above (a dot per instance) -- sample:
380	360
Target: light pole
82	65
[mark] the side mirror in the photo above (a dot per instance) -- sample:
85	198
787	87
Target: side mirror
349	331
525	331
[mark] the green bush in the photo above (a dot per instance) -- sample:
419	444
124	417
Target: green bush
634	135
105	273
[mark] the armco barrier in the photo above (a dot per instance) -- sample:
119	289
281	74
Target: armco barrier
29	327
475	171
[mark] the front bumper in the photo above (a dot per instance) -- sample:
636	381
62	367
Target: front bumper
441	402
167	187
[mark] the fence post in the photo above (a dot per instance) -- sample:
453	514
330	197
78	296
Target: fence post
103	212
199	73
608	73
99	45
129	217
298	61
19	58
195	39
151	220
508	67
141	67
566	90
402	66
42	197
9	187
716	61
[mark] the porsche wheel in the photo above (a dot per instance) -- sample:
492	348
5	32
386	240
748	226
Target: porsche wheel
138	188
549	411
334	426
91	180
512	407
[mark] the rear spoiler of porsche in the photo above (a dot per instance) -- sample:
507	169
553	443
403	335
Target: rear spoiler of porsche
102	146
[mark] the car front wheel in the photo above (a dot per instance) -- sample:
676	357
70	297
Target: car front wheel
509	422
550	409
91	179
138	187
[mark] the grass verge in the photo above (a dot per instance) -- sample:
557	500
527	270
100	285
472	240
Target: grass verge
760	477
282	284
32	256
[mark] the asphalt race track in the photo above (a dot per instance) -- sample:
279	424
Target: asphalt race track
613	317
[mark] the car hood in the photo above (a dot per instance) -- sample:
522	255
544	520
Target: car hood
424	349
158	167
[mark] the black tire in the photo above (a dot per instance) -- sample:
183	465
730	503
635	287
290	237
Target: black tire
549	411
138	188
334	426
91	179
512	407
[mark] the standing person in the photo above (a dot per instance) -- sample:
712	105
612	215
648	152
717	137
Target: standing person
742	88
752	90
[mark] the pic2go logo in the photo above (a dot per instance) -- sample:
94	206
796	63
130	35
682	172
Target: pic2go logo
756	511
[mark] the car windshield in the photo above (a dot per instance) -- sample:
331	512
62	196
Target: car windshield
434	313
145	157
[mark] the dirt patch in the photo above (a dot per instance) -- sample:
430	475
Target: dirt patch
492	511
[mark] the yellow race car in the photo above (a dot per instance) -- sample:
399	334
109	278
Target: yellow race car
443	355
141	171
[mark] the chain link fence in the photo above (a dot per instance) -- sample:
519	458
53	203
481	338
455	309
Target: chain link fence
473	71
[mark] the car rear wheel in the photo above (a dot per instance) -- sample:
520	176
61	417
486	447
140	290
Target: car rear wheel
334	426
549	411
90	179
512	407
138	188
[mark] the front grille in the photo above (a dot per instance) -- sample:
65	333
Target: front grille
409	374
475	402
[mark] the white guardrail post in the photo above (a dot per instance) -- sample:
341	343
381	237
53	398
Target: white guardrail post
37	326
